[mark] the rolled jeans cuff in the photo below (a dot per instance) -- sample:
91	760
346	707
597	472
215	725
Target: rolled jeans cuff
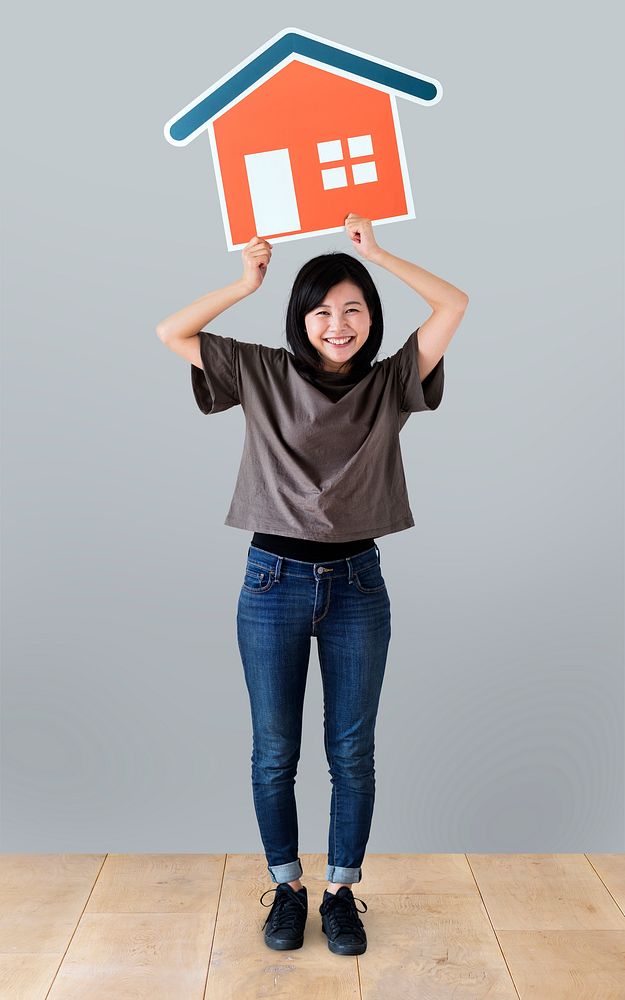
286	873
346	875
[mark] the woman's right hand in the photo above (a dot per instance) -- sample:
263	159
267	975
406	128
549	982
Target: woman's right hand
256	256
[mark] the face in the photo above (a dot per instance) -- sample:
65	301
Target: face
342	314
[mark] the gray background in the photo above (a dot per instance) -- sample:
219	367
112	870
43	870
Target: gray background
125	716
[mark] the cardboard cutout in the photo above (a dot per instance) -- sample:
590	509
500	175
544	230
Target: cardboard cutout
303	132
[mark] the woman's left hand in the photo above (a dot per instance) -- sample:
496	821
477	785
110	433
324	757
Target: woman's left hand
360	232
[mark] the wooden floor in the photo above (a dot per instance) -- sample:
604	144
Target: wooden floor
188	927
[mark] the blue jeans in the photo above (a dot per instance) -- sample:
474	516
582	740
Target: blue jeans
345	605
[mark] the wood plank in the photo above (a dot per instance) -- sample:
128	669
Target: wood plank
136	955
146	931
566	965
611	870
544	892
561	932
42	897
428	932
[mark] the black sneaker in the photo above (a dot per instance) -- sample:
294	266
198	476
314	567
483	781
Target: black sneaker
341	923
284	926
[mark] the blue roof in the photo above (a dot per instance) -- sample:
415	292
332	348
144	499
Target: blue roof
292	41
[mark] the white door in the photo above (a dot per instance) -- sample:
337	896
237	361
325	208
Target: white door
272	190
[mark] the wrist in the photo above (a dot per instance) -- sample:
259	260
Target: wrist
243	287
377	255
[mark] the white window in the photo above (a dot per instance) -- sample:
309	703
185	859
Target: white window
332	150
329	151
360	145
335	177
364	173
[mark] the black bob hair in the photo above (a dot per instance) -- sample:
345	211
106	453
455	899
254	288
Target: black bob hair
311	284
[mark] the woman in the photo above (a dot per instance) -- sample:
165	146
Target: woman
321	477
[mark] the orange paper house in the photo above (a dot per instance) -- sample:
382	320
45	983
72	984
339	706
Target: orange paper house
303	132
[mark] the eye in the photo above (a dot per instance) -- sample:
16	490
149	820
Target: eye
324	311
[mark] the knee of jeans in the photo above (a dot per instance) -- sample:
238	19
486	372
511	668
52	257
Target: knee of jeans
354	768
270	764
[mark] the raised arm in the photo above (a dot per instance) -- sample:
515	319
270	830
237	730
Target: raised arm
180	331
447	302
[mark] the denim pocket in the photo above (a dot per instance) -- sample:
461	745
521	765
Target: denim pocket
369	579
258	579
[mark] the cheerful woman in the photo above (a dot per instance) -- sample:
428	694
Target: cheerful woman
321	477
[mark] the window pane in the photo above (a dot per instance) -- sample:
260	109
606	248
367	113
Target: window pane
335	177
364	172
360	145
330	151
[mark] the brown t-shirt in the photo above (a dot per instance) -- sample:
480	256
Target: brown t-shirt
313	467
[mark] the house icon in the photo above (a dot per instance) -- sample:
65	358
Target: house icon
303	132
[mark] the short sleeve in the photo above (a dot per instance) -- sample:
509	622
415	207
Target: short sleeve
417	395
215	385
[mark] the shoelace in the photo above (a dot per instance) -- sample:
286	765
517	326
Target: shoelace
342	914
285	912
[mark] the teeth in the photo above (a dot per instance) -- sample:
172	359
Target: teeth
343	341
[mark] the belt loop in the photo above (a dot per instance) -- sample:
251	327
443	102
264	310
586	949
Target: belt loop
350	571
278	567
378	552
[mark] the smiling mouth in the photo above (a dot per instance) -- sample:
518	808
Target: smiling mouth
340	341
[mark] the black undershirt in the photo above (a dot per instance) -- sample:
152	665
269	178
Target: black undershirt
334	385
308	550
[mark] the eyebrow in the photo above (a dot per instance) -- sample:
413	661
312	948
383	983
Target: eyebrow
352	302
